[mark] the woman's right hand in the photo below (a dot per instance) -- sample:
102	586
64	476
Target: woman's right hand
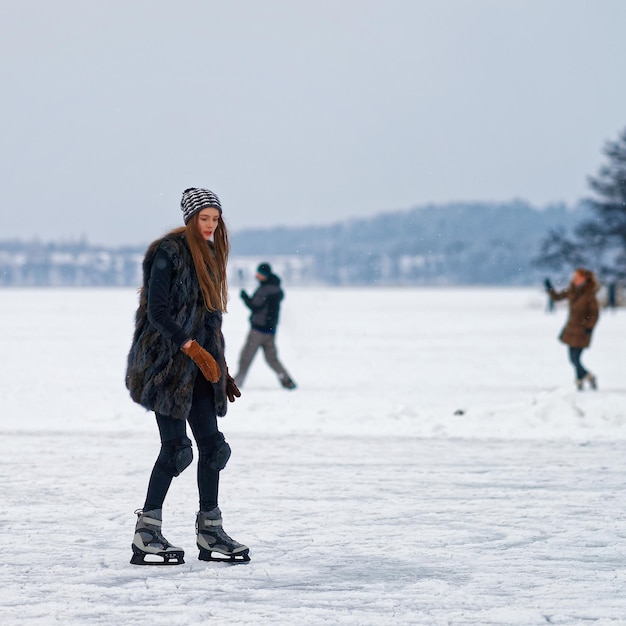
204	360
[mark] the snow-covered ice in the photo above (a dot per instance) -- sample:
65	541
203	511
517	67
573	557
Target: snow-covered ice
435	466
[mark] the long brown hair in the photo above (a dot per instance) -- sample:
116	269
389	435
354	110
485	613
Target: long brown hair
590	277
209	261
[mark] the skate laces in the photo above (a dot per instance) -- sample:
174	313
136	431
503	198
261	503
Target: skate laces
158	536
223	536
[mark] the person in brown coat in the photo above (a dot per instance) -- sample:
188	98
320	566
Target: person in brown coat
583	316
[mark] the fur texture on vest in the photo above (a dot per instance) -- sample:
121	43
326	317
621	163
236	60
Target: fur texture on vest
159	376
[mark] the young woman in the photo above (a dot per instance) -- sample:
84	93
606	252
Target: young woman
583	316
176	368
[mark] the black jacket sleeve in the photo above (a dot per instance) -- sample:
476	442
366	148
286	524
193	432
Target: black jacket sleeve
159	297
247	299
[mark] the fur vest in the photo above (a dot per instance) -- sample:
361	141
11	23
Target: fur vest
159	375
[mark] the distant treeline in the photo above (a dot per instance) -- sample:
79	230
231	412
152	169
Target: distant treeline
451	244
79	264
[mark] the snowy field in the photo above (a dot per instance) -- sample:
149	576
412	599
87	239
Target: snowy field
435	466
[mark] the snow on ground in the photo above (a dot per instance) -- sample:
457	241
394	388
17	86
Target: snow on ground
435	466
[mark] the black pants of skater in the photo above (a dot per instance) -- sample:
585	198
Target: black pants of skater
574	357
203	422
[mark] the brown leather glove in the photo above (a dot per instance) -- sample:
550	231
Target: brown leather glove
232	391
207	364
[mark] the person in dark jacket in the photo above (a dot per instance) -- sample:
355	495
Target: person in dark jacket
176	368
265	307
583	317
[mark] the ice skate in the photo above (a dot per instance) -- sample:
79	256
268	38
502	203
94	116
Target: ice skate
591	379
579	384
149	546
287	383
212	538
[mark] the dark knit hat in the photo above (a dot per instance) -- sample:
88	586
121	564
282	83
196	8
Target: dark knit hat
264	269
195	200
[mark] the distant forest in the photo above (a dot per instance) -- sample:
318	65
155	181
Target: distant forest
450	244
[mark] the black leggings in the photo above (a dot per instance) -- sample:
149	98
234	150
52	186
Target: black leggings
574	357
203	422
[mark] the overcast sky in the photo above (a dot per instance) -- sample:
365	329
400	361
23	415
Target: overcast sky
297	112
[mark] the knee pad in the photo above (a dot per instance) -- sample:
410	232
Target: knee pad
220	456
176	455
214	451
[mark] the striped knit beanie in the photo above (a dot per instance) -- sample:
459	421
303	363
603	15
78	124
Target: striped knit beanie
195	200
